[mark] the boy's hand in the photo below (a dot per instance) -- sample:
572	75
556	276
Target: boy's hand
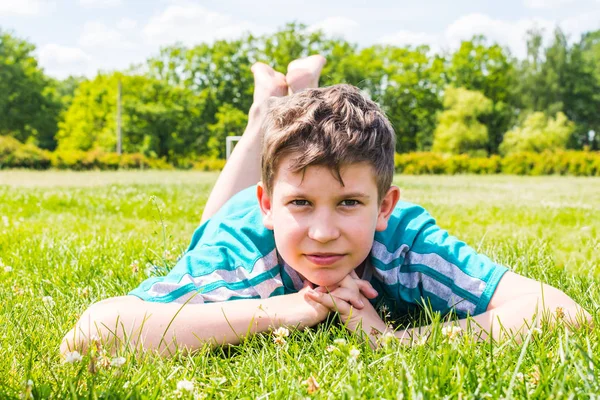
308	312
349	300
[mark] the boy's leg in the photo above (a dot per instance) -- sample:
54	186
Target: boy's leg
304	73
243	167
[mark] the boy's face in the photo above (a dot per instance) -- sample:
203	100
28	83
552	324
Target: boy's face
322	229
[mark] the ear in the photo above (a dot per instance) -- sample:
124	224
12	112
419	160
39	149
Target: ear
264	201
387	207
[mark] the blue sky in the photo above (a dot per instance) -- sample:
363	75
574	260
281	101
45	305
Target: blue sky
80	37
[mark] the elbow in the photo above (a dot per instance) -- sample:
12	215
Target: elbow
93	325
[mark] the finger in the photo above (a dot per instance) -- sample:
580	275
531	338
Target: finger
353	274
349	296
331	302
367	289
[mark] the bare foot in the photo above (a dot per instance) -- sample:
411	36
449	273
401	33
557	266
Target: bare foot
304	73
267	83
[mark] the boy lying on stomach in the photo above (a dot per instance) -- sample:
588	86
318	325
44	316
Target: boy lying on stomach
323	231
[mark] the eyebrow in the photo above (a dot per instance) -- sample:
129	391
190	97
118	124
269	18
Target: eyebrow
360	195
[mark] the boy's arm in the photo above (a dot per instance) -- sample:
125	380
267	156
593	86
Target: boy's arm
168	326
517	304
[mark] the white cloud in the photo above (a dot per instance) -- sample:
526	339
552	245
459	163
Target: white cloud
336	26
404	38
23	7
97	34
578	24
511	34
126	24
545	4
191	24
99	3
62	61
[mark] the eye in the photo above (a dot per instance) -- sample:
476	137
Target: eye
299	203
350	203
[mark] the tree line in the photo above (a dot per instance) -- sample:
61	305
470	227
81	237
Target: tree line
182	102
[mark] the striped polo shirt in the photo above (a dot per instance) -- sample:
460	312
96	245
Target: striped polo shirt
412	263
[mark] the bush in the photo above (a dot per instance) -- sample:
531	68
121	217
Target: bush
209	164
98	159
576	163
538	133
14	154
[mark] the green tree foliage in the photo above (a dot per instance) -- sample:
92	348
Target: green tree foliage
564	78
490	70
538	133
28	106
157	119
230	122
459	130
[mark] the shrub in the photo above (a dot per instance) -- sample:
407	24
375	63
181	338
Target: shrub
576	163
14	154
209	164
538	133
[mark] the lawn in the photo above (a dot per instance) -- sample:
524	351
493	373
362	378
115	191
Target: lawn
70	239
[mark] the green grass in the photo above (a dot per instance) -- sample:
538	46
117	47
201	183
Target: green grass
74	237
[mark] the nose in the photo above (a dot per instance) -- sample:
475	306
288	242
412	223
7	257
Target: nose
323	228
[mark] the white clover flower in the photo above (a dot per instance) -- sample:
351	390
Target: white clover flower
8	269
72	357
354	353
29	383
118	362
5	220
340	342
535	331
451	332
185	385
331	348
520	376
280	341
126	385
48	300
387	338
281	332
420	340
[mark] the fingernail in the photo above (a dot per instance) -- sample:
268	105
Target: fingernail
361	303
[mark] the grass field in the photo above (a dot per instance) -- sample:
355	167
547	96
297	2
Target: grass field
70	239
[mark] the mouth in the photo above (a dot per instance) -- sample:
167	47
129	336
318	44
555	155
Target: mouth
324	258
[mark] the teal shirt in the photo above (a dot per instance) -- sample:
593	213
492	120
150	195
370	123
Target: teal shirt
413	262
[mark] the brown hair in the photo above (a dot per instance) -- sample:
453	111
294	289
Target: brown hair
333	127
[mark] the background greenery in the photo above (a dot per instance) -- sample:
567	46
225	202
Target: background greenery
181	103
74	238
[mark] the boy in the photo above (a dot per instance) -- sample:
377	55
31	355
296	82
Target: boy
323	231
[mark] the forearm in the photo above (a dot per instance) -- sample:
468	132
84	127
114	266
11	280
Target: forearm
513	319
167	326
242	169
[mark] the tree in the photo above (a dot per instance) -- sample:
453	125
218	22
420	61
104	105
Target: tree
230	122
563	78
158	120
459	130
28	107
411	95
490	70
538	133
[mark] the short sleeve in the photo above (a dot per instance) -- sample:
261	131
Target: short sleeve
232	256
420	263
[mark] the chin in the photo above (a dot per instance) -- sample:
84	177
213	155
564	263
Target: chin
324	281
